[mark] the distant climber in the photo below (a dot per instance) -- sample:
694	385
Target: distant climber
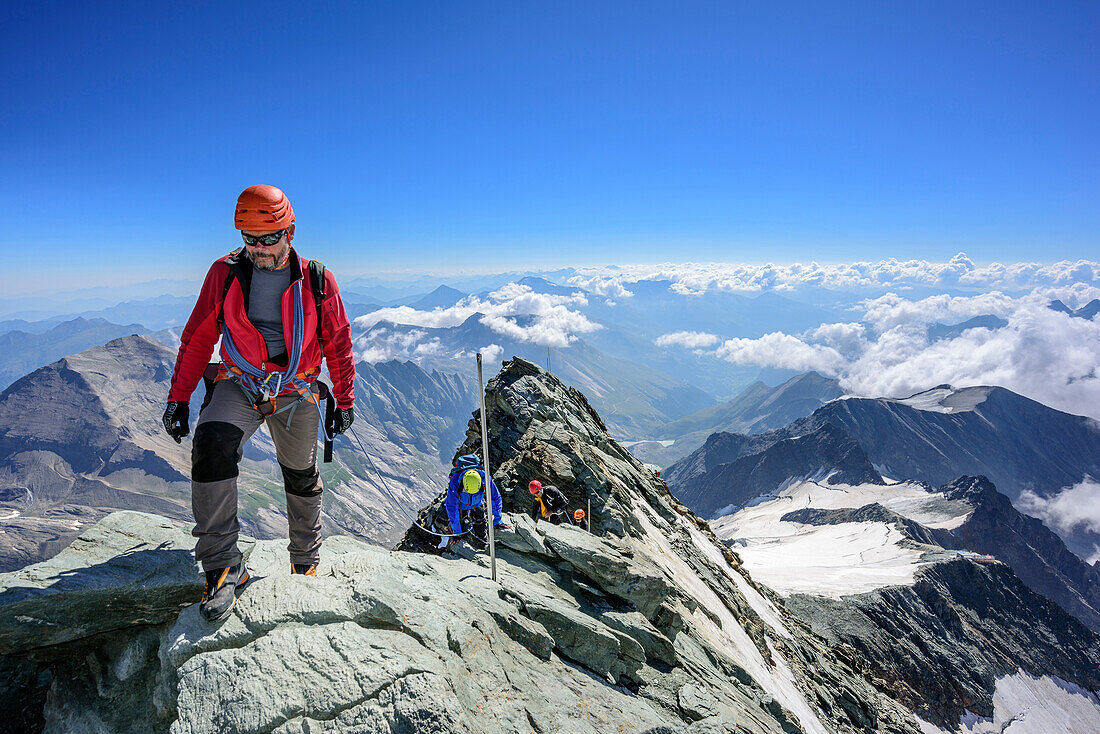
580	520
278	315
549	503
465	501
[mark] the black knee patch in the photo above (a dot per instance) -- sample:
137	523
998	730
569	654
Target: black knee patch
214	451
302	482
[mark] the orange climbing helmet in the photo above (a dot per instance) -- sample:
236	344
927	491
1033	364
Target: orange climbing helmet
263	208
578	515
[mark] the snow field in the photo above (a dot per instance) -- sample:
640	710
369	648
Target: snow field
835	560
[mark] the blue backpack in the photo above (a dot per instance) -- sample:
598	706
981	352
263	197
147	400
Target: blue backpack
466	462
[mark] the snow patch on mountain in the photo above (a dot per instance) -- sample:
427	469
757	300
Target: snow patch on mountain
946	399
1026	704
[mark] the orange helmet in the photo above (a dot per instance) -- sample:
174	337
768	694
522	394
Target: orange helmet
578	515
263	208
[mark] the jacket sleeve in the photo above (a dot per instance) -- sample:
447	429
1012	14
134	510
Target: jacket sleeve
452	505
336	333
199	336
498	504
557	501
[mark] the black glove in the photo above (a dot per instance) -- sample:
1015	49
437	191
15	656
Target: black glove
175	419
339	421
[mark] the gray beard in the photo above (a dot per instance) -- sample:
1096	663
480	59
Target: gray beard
269	263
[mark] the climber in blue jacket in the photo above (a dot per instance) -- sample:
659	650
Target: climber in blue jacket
466	499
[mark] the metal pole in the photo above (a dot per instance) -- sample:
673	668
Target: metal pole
589	516
488	475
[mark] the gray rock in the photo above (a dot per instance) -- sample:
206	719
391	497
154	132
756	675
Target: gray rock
131	569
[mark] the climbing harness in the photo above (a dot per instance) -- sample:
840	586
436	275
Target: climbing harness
263	389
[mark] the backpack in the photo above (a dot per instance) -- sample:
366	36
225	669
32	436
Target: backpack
316	283
465	463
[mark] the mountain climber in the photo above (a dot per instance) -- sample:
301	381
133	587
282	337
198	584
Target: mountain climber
550	504
273	338
580	520
465	501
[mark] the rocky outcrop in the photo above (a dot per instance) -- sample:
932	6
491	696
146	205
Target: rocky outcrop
873	512
1038	556
939	645
653	560
94	640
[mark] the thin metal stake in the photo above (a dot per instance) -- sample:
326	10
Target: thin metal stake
488	475
589	516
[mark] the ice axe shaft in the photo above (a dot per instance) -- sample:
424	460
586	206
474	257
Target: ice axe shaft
488	474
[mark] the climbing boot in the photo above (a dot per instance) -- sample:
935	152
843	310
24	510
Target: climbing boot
220	594
304	569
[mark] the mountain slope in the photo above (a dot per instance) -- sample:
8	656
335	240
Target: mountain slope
944	631
933	437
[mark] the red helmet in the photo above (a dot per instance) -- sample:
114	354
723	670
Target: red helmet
264	208
578	515
534	486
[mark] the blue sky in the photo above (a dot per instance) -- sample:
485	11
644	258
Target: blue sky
438	136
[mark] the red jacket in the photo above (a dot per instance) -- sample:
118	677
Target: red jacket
202	330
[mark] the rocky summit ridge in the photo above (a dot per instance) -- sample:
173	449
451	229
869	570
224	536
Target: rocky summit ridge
648	624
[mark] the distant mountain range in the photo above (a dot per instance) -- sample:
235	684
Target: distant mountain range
757	409
24	350
966	514
933	436
1087	311
635	399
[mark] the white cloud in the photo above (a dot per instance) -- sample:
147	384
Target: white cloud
437	318
490	356
959	271
608	286
1043	354
845	338
1074	508
782	350
383	344
893	310
514	311
689	339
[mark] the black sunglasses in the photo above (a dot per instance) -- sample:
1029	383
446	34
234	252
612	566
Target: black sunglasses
267	240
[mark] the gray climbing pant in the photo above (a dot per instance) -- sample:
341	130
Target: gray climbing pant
226	421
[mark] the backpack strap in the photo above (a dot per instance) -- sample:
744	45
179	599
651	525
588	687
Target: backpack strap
317	284
234	272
